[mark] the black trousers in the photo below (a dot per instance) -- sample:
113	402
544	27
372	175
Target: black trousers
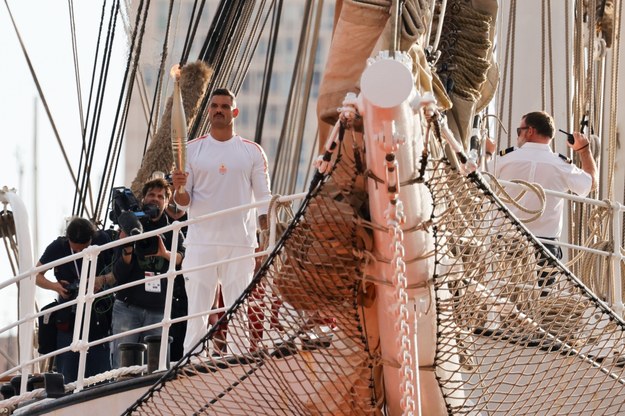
547	278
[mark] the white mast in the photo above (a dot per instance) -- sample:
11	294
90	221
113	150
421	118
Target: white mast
26	287
35	180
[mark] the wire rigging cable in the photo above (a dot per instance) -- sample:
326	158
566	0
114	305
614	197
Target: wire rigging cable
88	143
229	44
76	66
303	97
283	168
159	80
247	50
121	115
41	94
194	21
267	75
209	50
93	116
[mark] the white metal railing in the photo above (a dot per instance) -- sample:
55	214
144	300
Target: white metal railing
86	296
84	301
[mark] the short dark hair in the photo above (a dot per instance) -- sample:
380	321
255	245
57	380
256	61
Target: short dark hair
542	122
80	230
225	92
158	183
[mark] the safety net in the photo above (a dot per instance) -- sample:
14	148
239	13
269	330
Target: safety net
517	333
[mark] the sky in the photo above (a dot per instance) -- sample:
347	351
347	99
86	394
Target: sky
45	30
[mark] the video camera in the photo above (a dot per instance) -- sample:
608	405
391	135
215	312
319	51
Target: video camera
127	213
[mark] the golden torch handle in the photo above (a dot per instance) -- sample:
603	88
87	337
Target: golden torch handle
179	148
178	126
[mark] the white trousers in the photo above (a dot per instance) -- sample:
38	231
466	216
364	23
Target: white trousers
201	285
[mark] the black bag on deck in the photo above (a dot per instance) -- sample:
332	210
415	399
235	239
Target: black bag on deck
46	336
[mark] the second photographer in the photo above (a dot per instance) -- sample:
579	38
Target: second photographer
143	304
80	234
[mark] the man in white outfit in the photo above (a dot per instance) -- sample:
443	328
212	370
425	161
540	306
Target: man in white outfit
534	161
223	171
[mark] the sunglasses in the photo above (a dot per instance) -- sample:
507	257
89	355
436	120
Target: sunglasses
519	129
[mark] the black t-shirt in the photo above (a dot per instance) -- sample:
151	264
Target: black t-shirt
150	296
70	272
184	217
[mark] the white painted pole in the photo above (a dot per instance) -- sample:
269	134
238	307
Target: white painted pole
26	287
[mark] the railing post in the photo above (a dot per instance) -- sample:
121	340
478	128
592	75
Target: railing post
273	221
617	227
163	356
82	323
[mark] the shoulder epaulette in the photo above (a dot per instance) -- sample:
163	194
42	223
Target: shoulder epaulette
506	151
565	158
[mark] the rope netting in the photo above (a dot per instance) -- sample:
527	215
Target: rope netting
517	332
520	334
296	343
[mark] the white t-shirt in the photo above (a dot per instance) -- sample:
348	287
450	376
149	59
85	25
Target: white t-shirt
223	175
537	163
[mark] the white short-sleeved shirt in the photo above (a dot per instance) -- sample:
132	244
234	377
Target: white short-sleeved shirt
537	163
223	175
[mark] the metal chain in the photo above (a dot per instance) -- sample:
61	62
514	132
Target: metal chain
395	217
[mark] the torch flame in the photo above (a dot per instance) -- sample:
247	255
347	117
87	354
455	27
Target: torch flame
175	72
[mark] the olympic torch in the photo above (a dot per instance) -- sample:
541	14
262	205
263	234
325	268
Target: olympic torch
178	125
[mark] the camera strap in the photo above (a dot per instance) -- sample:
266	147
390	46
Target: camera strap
75	265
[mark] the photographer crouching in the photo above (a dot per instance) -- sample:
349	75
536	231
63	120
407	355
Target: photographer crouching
80	234
144	304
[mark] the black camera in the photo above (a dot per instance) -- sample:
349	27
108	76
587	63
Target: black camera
129	215
72	289
124	200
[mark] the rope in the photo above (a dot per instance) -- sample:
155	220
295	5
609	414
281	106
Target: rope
191	30
267	75
505	196
590	68
123	105
281	171
224	48
72	25
39	394
41	95
550	44
543	63
159	82
592	268
614	102
509	66
84	193
7	230
464	49
567	64
116	373
12	402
